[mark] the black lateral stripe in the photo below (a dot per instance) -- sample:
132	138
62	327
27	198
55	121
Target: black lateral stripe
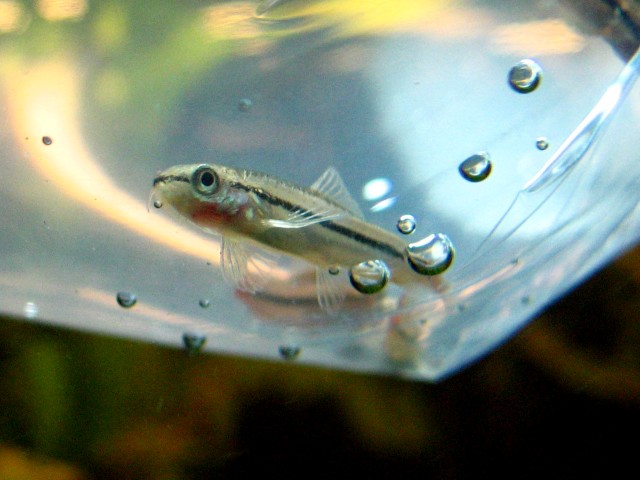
362	238
341	229
170	178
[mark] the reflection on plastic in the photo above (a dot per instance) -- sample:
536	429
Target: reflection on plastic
420	86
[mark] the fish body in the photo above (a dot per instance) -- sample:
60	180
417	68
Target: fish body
321	224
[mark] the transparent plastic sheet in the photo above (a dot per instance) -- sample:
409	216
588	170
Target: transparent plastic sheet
396	94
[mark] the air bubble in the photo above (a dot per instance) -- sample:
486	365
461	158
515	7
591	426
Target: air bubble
126	299
431	255
334	270
369	277
157	203
289	352
406	224
47	140
542	143
525	76
193	342
204	302
245	104
30	310
476	168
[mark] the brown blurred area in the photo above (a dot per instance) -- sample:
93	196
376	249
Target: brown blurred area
560	399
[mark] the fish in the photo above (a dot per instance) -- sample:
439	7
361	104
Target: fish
259	215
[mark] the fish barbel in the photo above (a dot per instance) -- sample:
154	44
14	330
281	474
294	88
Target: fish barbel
321	224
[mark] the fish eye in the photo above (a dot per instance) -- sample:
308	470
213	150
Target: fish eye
205	180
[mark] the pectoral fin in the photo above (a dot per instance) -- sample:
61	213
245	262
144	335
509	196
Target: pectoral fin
304	218
330	290
245	270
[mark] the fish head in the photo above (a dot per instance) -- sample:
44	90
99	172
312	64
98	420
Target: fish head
205	194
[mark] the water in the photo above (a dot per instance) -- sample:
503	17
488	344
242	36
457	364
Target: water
396	97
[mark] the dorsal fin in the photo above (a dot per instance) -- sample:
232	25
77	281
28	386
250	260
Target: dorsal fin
331	185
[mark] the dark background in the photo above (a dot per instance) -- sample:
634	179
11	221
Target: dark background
561	399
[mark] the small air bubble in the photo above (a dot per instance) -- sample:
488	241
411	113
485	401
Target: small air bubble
204	302
47	140
542	143
289	352
406	224
369	277
193	343
157	203
476	168
525	76
126	299
431	255
245	104
30	310
334	270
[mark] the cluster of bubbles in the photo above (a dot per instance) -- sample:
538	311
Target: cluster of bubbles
434	254
430	256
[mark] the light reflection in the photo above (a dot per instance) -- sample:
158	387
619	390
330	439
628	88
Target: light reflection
545	37
54	10
235	21
376	188
11	16
44	98
384	204
356	17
